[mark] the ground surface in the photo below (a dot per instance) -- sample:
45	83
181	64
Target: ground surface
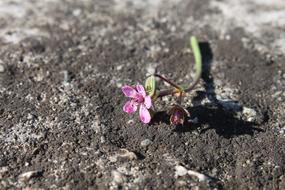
62	63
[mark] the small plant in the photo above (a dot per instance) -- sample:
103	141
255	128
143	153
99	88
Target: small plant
143	97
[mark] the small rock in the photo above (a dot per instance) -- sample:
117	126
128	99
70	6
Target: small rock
131	122
151	68
113	159
40	76
119	85
276	94
28	175
180	183
227	37
2	68
118	177
200	176
96	126
249	114
66	77
180	171
76	12
214	172
124	153
102	139
119	67
30	116
146	142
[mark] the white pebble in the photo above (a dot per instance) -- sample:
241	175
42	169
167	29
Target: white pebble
117	177
146	142
2	68
28	175
30	116
250	114
151	68
200	176
180	171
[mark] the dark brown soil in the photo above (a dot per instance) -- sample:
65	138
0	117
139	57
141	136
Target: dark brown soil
61	103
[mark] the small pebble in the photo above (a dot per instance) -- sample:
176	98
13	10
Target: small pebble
2	68
102	139
30	116
28	175
180	183
66	77
151	68
131	122
214	172
124	153
249	114
146	142
118	177
180	171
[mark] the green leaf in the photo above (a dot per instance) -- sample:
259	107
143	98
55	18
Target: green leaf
197	56
150	85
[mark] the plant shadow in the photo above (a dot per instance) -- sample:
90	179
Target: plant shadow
160	117
225	123
217	114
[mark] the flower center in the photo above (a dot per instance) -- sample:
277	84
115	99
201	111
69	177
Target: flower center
139	99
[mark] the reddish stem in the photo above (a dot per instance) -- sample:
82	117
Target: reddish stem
168	81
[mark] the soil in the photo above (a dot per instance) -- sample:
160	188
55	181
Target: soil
62	65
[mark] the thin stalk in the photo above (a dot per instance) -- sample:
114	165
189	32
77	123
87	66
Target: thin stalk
180	98
198	67
167	92
168	81
198	62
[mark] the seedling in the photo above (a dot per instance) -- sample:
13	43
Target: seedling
144	97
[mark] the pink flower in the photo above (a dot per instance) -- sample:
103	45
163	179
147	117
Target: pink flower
139	98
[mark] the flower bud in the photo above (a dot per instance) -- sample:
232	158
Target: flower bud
177	115
150	86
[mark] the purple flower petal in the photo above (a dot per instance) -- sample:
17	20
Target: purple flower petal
144	114
141	90
129	91
147	102
130	107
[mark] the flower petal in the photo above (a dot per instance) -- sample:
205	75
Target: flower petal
129	91
144	114
141	90
130	107
147	102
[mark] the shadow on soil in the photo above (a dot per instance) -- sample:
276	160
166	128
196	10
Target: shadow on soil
222	121
212	116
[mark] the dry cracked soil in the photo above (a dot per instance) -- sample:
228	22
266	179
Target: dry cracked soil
63	62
